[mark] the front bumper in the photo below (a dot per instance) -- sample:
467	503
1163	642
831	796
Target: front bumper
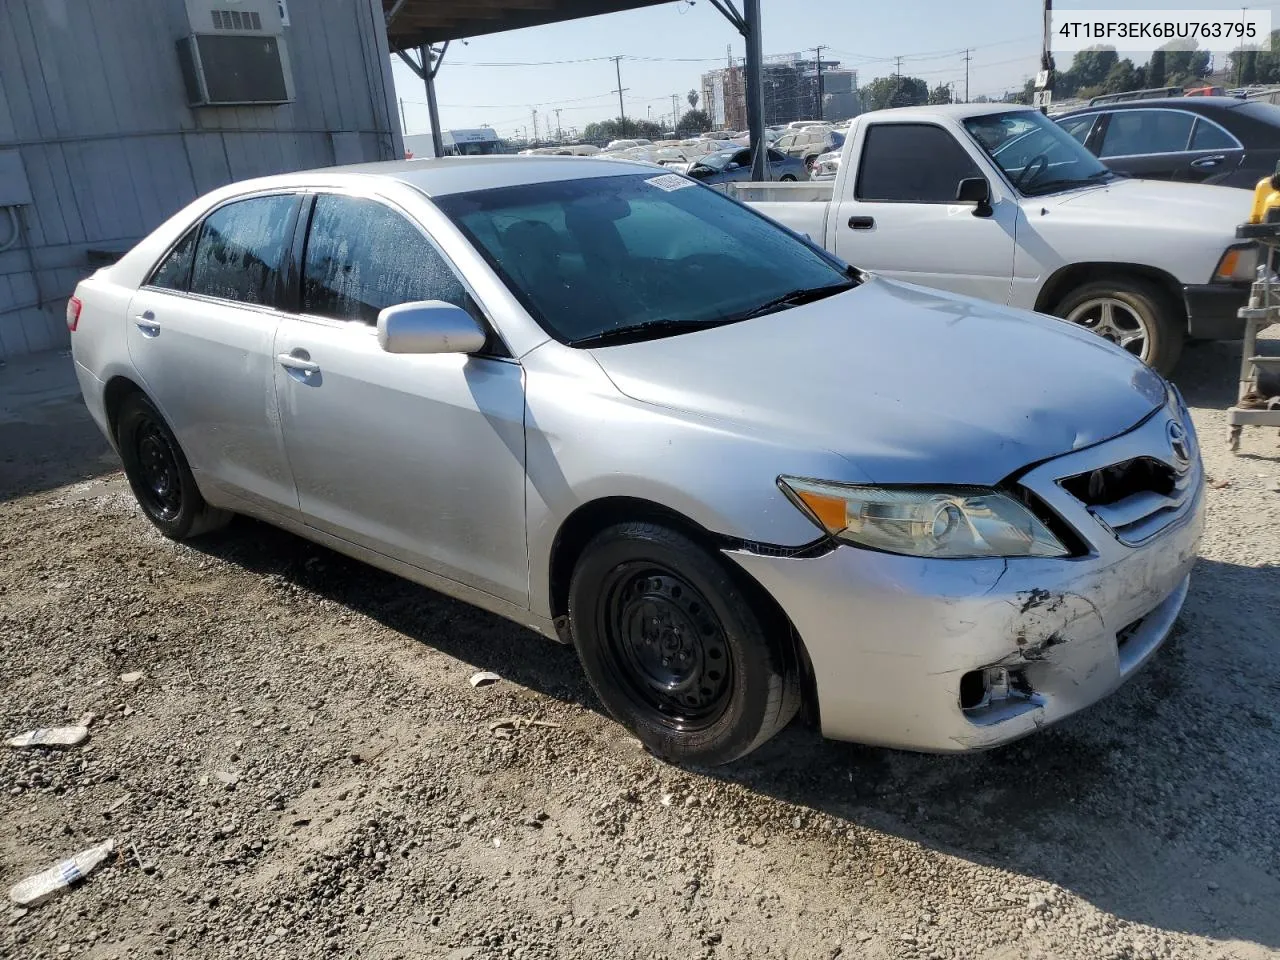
889	637
1212	310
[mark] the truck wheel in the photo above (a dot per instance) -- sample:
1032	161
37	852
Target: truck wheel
677	649
1134	314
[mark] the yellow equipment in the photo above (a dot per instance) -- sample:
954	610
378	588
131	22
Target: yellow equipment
1258	399
1266	201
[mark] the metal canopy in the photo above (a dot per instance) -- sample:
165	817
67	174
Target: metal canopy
417	23
423	23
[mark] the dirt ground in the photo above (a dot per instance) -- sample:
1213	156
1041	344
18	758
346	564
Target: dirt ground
304	770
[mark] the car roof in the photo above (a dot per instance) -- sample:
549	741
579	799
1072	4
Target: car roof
956	111
1190	104
440	176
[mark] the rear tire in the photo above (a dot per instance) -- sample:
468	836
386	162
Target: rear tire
676	648
159	474
786	178
1135	314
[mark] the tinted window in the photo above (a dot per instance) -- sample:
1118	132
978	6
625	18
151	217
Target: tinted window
362	256
1210	136
1135	132
242	248
174	269
912	163
775	156
1079	127
596	254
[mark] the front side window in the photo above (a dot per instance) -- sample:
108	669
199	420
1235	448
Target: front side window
1034	152
912	163
593	257
1079	127
175	269
362	256
242	248
1136	132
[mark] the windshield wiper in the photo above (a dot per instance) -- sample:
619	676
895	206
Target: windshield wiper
797	297
643	331
1048	185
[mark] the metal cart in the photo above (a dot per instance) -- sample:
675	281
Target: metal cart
1258	398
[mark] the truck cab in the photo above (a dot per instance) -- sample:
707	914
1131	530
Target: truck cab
998	202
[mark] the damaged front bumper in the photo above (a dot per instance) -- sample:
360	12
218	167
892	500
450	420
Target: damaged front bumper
954	655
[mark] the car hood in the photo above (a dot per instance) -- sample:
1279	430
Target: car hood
1160	202
907	384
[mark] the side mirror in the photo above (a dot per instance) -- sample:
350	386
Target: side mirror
975	190
428	326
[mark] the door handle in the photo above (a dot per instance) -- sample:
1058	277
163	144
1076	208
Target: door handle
305	367
146	322
1204	162
862	223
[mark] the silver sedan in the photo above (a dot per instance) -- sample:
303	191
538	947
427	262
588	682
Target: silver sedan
617	407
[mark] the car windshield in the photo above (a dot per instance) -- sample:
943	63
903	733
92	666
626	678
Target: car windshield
600	256
1036	154
718	161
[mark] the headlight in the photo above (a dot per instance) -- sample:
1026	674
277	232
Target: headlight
1238	263
951	523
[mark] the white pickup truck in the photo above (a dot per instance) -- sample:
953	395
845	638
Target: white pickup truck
1000	203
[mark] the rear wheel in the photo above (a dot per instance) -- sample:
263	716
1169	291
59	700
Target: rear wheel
1134	314
676	649
787	178
159	474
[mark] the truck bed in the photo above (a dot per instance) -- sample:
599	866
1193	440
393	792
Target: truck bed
802	207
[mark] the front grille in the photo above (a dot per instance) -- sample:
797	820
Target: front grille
1135	499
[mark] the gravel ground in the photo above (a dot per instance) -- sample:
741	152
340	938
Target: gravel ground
304	770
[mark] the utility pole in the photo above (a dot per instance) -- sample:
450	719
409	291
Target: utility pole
818	50
622	111
967	58
1046	58
404	127
1244	12
675	111
559	135
897	77
535	123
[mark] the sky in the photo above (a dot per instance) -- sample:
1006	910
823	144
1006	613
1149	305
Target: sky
500	79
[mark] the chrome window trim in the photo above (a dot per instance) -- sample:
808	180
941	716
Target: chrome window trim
1165	153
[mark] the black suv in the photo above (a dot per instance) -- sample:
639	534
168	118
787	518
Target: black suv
1219	140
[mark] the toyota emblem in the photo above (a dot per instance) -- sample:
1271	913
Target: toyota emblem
1179	444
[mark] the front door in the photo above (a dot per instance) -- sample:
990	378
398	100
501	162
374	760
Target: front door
904	221
420	457
200	334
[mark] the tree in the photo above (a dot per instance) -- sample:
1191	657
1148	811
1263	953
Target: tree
1089	68
1257	66
692	97
1184	64
694	121
885	92
620	129
940	94
1157	69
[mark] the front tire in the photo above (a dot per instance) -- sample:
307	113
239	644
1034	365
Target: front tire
786	178
1134	314
159	474
676	648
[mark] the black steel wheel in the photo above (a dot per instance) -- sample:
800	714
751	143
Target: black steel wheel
159	474
678	648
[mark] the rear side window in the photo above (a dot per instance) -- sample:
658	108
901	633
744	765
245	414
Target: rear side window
174	269
912	163
242	249
1137	132
1210	136
363	256
1079	127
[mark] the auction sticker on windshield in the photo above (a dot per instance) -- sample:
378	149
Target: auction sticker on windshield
669	182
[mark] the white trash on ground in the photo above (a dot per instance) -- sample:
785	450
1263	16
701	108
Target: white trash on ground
483	678
51	737
45	884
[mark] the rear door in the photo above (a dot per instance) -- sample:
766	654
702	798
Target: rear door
420	457
1167	145
903	220
200	334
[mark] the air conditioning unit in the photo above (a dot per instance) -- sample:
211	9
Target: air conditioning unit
235	54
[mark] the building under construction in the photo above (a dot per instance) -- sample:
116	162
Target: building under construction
791	92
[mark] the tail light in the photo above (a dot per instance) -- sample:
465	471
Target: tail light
73	313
